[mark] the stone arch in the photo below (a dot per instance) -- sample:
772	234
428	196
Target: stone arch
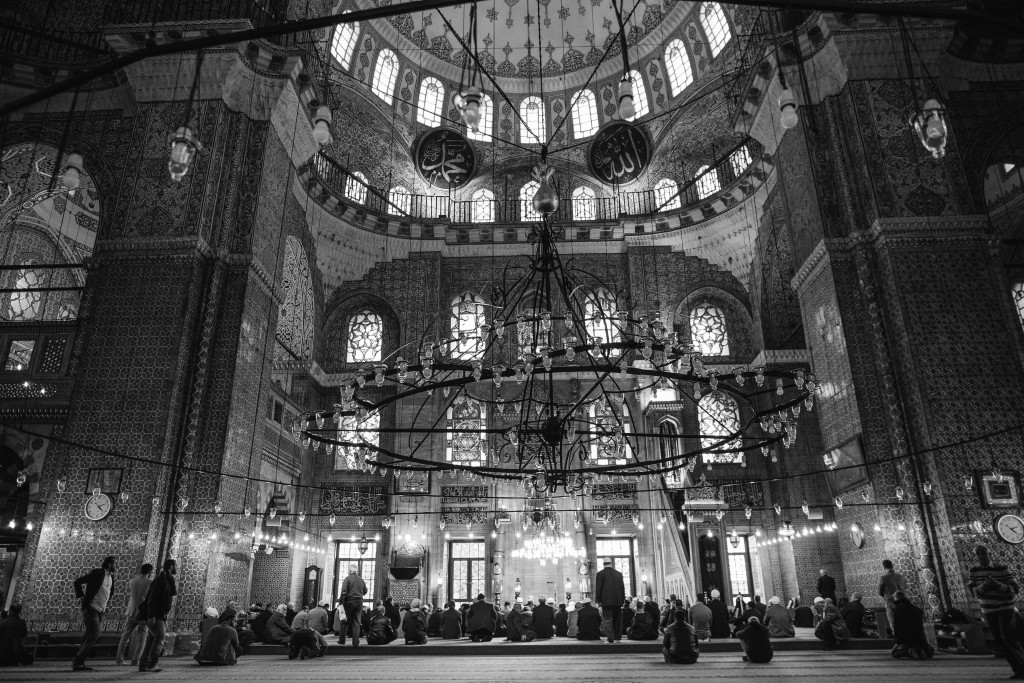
739	325
335	329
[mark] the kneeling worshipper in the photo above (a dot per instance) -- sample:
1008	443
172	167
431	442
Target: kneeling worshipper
481	620
679	646
414	625
518	631
588	623
908	630
380	632
220	644
757	646
778	621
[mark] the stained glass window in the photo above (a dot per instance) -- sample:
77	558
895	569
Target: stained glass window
739	160
466	439
532	112
712	18
1018	299
640	103
19	355
467	317
601	312
365	337
344	43
295	321
677	63
399	199
526	210
467	565
584	115
666	195
708	332
739	569
584	204
719	418
621	551
428	110
707	182
386	75
611	423
483	130
482	207
354	189
25	305
347	554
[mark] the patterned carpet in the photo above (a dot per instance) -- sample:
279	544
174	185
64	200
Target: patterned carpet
360	665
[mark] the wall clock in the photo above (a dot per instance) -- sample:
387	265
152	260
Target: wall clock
1009	528
857	534
98	506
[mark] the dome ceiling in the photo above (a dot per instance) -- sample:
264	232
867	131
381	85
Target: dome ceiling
573	34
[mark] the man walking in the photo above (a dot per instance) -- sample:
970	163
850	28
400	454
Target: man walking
887	587
94	589
610	593
138	588
352	591
159	601
996	588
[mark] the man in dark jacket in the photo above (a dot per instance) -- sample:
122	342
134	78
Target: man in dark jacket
278	632
451	622
392	612
381	632
610	593
589	623
352	591
827	586
642	628
159	601
544	618
519	629
414	625
679	646
220	646
94	589
719	616
628	615
481	620
757	646
434	622
12	630
908	630
762	609
853	614
562	621
259	624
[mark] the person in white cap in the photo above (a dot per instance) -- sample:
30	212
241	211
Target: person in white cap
719	616
610	594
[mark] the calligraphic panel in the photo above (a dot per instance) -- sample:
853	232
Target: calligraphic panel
444	158
368	501
619	154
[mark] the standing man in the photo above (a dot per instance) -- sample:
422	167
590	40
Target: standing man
158	605
352	591
137	590
826	585
610	594
996	588
887	587
94	589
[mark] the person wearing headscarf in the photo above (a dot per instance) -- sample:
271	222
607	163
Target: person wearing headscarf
679	645
778	621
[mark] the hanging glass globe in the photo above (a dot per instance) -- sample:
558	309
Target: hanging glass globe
469	106
322	125
72	176
545	200
626	108
124	496
930	125
184	147
22	478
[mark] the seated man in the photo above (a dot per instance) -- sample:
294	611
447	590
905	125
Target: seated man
778	621
481	620
220	646
246	637
700	618
305	643
380	632
853	613
414	625
12	630
908	630
641	628
211	618
318	619
259	622
588	623
757	646
572	623
451	622
679	646
278	631
518	630
561	621
544	618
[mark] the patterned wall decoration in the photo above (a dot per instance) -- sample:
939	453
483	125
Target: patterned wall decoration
295	321
272	578
368	501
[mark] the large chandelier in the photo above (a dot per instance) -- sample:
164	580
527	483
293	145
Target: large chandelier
542	387
544	537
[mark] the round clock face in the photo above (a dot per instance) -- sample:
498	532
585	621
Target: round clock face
1010	528
857	534
97	507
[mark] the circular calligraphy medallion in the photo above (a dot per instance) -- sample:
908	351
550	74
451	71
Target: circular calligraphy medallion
619	153
444	158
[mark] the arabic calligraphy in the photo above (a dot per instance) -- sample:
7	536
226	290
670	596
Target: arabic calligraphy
369	501
619	153
444	158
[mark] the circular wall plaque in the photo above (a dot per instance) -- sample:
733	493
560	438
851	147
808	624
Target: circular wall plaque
444	158
619	153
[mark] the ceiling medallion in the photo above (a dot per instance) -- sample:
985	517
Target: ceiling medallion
619	153
444	158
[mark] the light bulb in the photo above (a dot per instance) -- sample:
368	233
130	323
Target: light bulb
470	107
184	147
787	109
322	125
626	109
73	170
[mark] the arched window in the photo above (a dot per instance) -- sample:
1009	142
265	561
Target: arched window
1018	299
612	423
526	210
386	75
666	195
483	131
707	181
343	46
584	115
467	317
359	432
482	207
295	320
532	112
25	305
739	160
712	18
428	111
668	450
707	331
365	337
601	312
354	189
467	441
584	204
677	63
640	104
719	418
400	200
